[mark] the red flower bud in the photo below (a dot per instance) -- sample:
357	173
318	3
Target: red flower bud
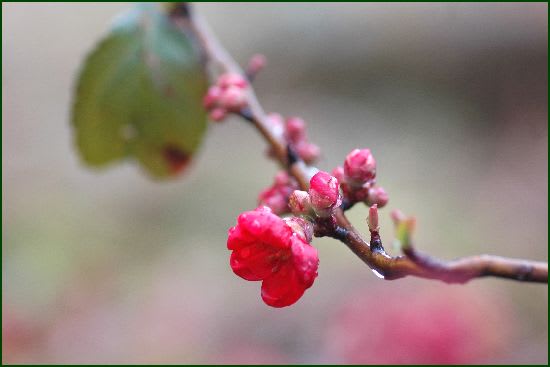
377	195
265	248
256	64
373	219
338	172
359	167
308	152
276	197
299	202
303	228
217	114
295	129
282	179
232	80
233	98
325	195
277	123
212	97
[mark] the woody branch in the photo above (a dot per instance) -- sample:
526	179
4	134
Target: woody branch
413	262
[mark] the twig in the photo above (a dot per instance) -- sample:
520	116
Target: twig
413	263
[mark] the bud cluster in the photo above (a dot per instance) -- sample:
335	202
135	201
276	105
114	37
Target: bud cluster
293	131
321	199
277	196
358	179
227	95
296	136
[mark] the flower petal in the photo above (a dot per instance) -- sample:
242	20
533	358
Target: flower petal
283	288
254	262
265	226
237	238
306	261
241	269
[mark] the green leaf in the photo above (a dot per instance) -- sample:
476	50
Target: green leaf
139	95
404	232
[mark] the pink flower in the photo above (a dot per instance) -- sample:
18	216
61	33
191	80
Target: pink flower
359	167
265	248
423	325
324	192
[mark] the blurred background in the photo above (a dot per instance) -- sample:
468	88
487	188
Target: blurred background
108	266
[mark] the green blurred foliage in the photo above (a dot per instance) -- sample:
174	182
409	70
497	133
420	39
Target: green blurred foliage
140	94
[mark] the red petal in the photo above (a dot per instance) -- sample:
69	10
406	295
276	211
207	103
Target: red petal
254	262
306	261
283	288
241	269
237	238
266	227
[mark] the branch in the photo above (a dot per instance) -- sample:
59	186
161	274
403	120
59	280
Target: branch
413	263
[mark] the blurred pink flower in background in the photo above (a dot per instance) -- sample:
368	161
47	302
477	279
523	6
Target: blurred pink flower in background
22	336
417	326
248	352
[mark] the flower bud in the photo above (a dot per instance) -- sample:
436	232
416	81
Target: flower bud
324	192
303	228
233	98
295	129
308	152
275	199
277	195
404	231
359	167
397	216
377	195
277	123
299	202
256	64
281	179
338	172
232	80
212	96
373	218
218	114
